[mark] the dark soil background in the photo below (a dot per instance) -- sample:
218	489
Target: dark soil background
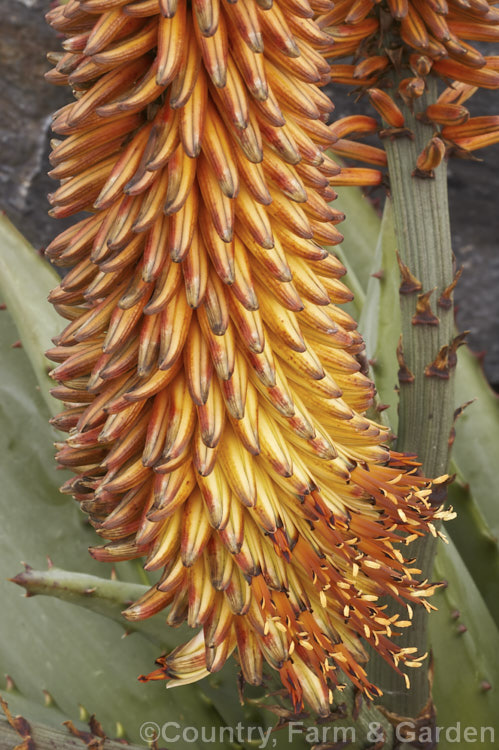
26	102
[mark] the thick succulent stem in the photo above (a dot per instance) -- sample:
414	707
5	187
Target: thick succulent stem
426	383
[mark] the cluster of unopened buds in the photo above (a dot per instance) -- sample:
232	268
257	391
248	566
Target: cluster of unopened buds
392	48
212	389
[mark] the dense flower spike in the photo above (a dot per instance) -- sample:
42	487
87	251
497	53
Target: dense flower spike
373	41
213	398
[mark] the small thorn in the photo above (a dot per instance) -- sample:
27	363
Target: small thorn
460	409
424	315
3	306
456	342
50	564
20	725
96	727
404	374
379	274
86	737
114	575
17	344
461	629
382	407
439	368
409	283
446	360
83	713
49	701
90	591
10	685
485	686
455	614
445	300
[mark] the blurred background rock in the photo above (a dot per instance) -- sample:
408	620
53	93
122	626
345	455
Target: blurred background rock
27	102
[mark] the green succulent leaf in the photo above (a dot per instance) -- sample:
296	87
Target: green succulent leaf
477	437
477	546
474	493
25	281
379	321
360	235
465	642
108	597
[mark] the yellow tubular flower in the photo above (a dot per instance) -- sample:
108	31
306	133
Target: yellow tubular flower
212	394
374	40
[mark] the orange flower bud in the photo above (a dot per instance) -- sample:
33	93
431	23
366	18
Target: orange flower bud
447	114
387	108
410	89
431	156
420	64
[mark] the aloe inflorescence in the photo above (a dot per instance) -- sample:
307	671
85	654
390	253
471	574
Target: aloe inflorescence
212	391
